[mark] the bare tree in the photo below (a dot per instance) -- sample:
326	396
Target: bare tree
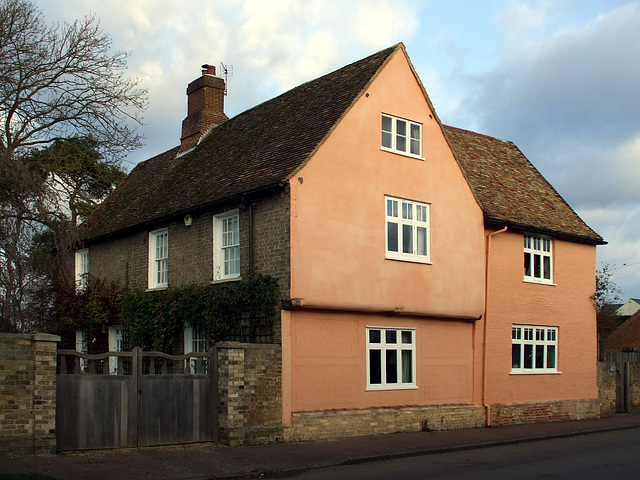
606	296
56	81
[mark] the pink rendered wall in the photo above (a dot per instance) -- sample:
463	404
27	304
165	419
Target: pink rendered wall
338	223
567	305
324	362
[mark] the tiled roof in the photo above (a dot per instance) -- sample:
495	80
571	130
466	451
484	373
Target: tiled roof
268	143
510	190
626	336
256	149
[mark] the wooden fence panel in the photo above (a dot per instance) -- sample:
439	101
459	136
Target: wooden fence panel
94	410
173	410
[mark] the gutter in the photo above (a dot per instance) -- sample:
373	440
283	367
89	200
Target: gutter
546	231
181	213
486	406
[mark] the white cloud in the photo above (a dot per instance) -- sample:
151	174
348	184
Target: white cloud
273	46
570	102
520	17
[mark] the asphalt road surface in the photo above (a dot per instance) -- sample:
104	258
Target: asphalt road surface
609	455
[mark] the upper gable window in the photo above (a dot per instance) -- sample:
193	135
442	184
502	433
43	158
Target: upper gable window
407	225
226	243
538	255
159	259
401	136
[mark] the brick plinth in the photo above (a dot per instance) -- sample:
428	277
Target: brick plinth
537	412
28	394
352	423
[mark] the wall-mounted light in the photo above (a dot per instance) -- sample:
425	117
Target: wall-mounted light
188	220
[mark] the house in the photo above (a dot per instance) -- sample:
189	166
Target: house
625	338
630	308
425	271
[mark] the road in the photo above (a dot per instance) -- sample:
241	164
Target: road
595	456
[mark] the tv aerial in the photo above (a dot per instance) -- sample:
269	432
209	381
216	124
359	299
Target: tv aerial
227	71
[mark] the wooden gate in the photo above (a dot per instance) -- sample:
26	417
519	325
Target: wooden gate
132	399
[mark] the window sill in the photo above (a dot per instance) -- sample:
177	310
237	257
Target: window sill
403	154
538	282
409	259
389	387
535	373
155	289
226	280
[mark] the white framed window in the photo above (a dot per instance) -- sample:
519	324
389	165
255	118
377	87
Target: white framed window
538	259
407	230
82	270
391	358
83	347
534	349
116	344
195	340
159	258
401	136
226	245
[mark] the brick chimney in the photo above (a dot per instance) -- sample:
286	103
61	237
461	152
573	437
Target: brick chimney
205	98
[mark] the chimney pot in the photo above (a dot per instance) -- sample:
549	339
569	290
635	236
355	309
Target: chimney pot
208	69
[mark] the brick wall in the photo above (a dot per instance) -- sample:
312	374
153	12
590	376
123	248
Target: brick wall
537	412
27	394
607	387
351	423
271	244
249	392
634	387
124	260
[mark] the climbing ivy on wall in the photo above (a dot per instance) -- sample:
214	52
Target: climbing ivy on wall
155	320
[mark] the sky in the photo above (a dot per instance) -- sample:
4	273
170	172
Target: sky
559	78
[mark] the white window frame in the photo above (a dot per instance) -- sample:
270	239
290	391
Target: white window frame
195	337
534	349
412	219
116	344
379	375
159	259
82	346
226	246
399	135
82	270
538	259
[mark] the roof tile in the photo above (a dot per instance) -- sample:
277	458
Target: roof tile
509	189
268	143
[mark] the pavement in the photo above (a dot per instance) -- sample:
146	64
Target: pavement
214	461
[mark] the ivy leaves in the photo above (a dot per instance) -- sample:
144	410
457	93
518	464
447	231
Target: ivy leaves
155	320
